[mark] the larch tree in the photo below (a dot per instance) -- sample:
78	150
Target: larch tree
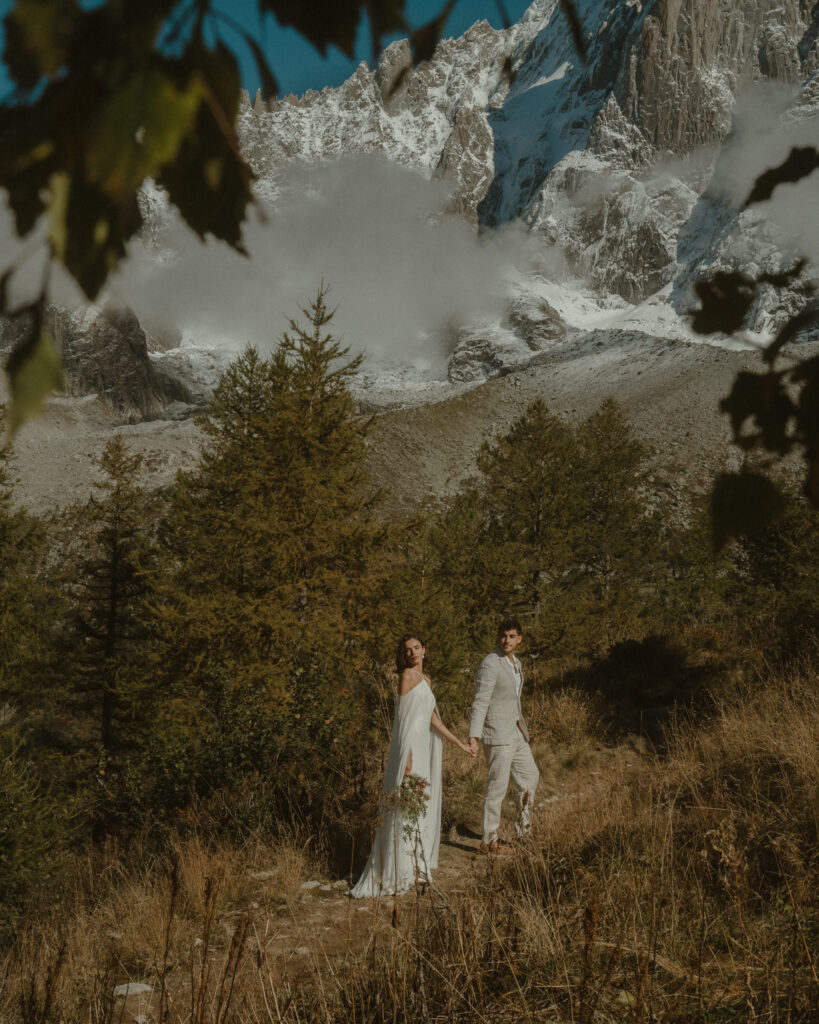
107	586
530	514
25	602
272	546
618	539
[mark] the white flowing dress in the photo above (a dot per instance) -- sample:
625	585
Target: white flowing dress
396	861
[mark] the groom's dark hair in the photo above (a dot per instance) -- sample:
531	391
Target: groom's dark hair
505	624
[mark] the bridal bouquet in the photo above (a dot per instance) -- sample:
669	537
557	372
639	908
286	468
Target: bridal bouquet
411	797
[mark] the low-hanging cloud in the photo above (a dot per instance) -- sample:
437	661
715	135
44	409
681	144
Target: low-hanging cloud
401	272
768	122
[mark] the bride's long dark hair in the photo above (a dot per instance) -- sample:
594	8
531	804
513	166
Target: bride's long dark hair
400	653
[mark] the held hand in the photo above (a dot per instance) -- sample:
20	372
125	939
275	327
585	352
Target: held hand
467	749
473	745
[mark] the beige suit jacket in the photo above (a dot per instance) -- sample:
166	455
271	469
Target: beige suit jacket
496	713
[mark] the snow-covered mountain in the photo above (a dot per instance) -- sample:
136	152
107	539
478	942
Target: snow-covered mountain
632	163
623	175
626	170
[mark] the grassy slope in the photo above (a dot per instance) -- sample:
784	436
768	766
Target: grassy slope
668	888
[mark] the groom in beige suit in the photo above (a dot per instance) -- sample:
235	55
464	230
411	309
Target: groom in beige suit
498	723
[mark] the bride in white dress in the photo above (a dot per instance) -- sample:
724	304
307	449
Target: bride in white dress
398	858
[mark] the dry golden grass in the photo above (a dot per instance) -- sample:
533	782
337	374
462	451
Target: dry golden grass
117	925
657	890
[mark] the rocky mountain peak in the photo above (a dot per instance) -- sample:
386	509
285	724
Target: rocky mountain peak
614	166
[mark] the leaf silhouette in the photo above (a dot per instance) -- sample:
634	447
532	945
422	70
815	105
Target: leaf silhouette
34	371
762	398
270	86
575	27
742	504
502	12
424	39
321	22
799	163
792	329
725	300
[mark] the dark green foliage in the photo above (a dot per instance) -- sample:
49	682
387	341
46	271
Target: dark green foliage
31	822
529	509
741	504
619	537
697	579
105	685
418	598
274	570
270	541
108	586
556	531
775	592
24	614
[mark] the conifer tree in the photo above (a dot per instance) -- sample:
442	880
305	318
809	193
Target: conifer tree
553	530
25	617
618	540
530	504
268	608
32	824
773	587
529	510
270	537
108	587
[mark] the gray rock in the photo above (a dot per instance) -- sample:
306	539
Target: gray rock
483	350
466	162
535	321
132	988
105	352
394	65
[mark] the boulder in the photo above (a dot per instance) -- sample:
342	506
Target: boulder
105	352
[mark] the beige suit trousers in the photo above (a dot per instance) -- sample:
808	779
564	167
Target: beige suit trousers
505	761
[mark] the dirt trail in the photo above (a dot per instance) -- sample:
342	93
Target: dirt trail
325	925
318	926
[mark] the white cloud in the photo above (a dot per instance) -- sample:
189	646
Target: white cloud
399	276
768	123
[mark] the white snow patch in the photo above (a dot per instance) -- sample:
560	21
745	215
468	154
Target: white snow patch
555	75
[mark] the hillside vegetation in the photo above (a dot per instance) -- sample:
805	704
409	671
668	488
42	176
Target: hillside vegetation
196	692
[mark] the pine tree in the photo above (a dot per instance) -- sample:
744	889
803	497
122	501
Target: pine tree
270	538
107	588
617	539
25	613
269	603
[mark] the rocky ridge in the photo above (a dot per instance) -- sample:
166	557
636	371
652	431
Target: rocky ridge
578	150
621	168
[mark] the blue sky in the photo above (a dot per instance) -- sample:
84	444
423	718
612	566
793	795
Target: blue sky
298	66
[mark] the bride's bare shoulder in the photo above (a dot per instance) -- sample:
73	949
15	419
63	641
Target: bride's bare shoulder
410	678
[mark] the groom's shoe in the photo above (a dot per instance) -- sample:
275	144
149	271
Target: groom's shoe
498	848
